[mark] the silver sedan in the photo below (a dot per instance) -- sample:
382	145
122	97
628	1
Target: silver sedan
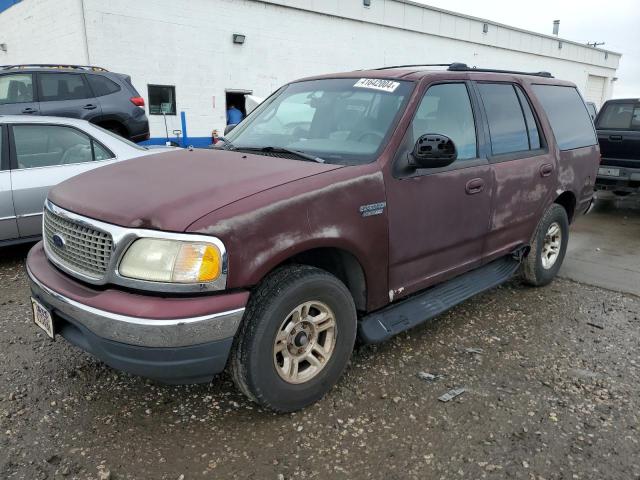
37	153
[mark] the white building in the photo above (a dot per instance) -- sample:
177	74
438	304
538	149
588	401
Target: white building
183	51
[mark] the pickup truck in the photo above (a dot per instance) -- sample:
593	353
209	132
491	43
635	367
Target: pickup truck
618	127
351	205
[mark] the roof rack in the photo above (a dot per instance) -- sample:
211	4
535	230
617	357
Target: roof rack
463	67
53	66
416	65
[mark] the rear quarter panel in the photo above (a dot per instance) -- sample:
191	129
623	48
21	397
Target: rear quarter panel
262	231
576	169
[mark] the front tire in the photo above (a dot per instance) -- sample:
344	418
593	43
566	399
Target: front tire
548	247
296	338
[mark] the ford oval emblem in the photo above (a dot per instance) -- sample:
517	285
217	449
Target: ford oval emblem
58	240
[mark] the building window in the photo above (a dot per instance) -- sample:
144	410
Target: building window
162	99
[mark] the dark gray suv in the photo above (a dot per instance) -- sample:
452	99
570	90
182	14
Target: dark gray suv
104	98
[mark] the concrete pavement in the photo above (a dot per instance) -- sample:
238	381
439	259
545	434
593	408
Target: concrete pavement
604	246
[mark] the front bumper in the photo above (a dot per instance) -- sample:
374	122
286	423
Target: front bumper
626	180
140	334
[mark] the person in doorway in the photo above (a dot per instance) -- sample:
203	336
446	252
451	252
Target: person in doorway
234	116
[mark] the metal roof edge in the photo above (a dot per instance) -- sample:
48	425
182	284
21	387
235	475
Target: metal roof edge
447	12
504	25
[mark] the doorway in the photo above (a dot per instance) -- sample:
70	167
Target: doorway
236	98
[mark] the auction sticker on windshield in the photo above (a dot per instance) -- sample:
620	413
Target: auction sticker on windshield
377	84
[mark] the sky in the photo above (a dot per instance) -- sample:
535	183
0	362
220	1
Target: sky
616	22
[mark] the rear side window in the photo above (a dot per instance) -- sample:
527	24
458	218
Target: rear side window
635	119
532	127
568	115
620	116
16	88
102	86
507	126
62	86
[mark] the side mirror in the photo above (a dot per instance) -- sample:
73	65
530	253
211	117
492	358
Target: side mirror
433	150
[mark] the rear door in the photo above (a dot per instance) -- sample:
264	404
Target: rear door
8	225
618	126
17	94
523	168
66	95
42	156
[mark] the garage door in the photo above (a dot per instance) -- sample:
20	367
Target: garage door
595	89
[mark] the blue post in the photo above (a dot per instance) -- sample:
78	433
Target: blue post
183	119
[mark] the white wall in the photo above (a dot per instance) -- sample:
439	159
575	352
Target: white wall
408	15
43	31
187	43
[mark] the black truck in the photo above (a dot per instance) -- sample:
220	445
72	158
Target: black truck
618	126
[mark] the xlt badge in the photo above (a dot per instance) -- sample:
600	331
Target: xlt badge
372	209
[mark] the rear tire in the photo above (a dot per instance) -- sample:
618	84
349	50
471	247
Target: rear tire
548	247
296	317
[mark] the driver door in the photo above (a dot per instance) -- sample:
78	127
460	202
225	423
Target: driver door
439	217
42	156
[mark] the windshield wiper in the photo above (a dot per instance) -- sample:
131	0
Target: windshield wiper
298	153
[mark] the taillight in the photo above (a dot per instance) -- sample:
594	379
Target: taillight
137	101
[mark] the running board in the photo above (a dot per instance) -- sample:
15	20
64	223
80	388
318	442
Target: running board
406	314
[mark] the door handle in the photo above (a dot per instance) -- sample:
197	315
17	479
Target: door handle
615	138
475	185
29	110
546	169
89	106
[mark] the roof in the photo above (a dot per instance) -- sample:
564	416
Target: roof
624	100
53	66
76	122
416	74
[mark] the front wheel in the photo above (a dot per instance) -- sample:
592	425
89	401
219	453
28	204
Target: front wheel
548	247
296	338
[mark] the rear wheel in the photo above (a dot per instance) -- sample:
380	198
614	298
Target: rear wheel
296	338
548	247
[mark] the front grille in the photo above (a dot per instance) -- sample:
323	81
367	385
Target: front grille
85	250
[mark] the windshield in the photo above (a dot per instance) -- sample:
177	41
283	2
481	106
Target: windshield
344	121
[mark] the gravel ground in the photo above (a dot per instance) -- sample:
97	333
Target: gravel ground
552	392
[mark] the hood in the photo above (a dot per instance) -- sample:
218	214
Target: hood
169	191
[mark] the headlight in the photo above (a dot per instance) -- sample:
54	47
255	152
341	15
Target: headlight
171	261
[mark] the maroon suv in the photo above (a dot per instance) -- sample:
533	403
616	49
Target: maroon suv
352	205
